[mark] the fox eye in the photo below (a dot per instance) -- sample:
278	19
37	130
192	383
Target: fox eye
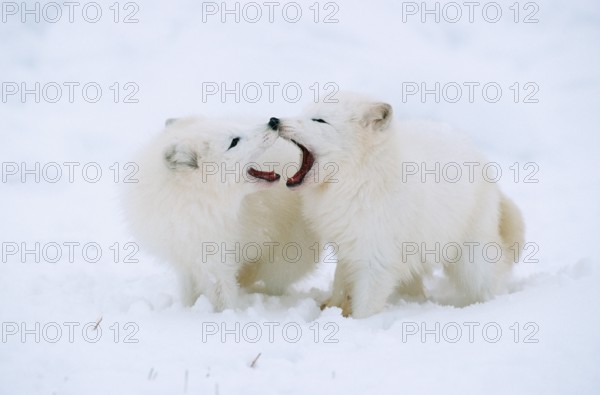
319	120
234	142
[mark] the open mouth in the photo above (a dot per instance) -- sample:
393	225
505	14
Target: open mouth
269	176
307	163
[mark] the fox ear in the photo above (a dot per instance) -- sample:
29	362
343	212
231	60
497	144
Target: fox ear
179	156
378	116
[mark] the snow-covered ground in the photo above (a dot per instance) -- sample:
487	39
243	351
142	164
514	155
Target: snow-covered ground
542	337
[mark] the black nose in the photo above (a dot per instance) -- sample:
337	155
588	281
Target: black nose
274	123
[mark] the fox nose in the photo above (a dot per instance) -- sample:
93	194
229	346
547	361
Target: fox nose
274	123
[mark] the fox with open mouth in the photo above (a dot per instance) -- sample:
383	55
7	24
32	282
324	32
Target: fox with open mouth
371	210
204	194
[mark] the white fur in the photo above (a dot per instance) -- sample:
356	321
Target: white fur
369	212
194	194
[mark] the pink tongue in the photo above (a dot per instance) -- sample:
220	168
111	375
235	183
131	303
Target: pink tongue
269	176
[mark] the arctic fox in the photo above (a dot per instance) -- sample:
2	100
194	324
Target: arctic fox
205	204
378	212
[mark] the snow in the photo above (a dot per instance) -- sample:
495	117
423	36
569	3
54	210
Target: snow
149	344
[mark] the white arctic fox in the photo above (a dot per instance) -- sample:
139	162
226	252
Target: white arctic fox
203	205
365	187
